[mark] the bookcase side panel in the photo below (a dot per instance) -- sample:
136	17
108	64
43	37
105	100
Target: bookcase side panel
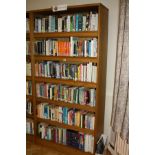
102	63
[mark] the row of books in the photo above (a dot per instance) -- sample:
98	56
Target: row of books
82	72
79	140
28	68
65	115
29	126
67	23
28	107
77	95
27	47
63	47
28	87
27	25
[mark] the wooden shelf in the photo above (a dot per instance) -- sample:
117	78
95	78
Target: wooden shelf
66	82
29	97
28	78
60	147
65	34
65	58
29	116
29	137
66	104
62	125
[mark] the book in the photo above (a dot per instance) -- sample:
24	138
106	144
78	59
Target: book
29	126
28	107
28	88
28	68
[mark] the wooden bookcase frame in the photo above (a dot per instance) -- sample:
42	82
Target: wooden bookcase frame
100	85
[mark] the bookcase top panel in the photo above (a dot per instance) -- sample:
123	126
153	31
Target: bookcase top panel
70	7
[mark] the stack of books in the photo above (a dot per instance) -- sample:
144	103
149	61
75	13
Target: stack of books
63	47
67	23
71	116
84	142
29	126
79	72
77	95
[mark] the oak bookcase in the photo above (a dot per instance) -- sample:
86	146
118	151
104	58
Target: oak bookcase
100	85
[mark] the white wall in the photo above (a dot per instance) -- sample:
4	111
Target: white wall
113	6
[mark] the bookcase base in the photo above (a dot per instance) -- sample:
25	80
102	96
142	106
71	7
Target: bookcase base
63	148
29	138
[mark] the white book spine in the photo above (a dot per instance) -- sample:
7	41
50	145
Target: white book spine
90	21
47	47
87	71
39	25
71	46
59	24
92	48
43	24
90	71
92	144
85	48
49	24
92	78
46	70
95	74
96	22
84	23
89	143
86	143
93	23
68	23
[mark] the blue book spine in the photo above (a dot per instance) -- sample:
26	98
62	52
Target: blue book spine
89	48
53	23
66	115
46	111
77	23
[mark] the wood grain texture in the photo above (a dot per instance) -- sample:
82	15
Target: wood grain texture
101	79
65	34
